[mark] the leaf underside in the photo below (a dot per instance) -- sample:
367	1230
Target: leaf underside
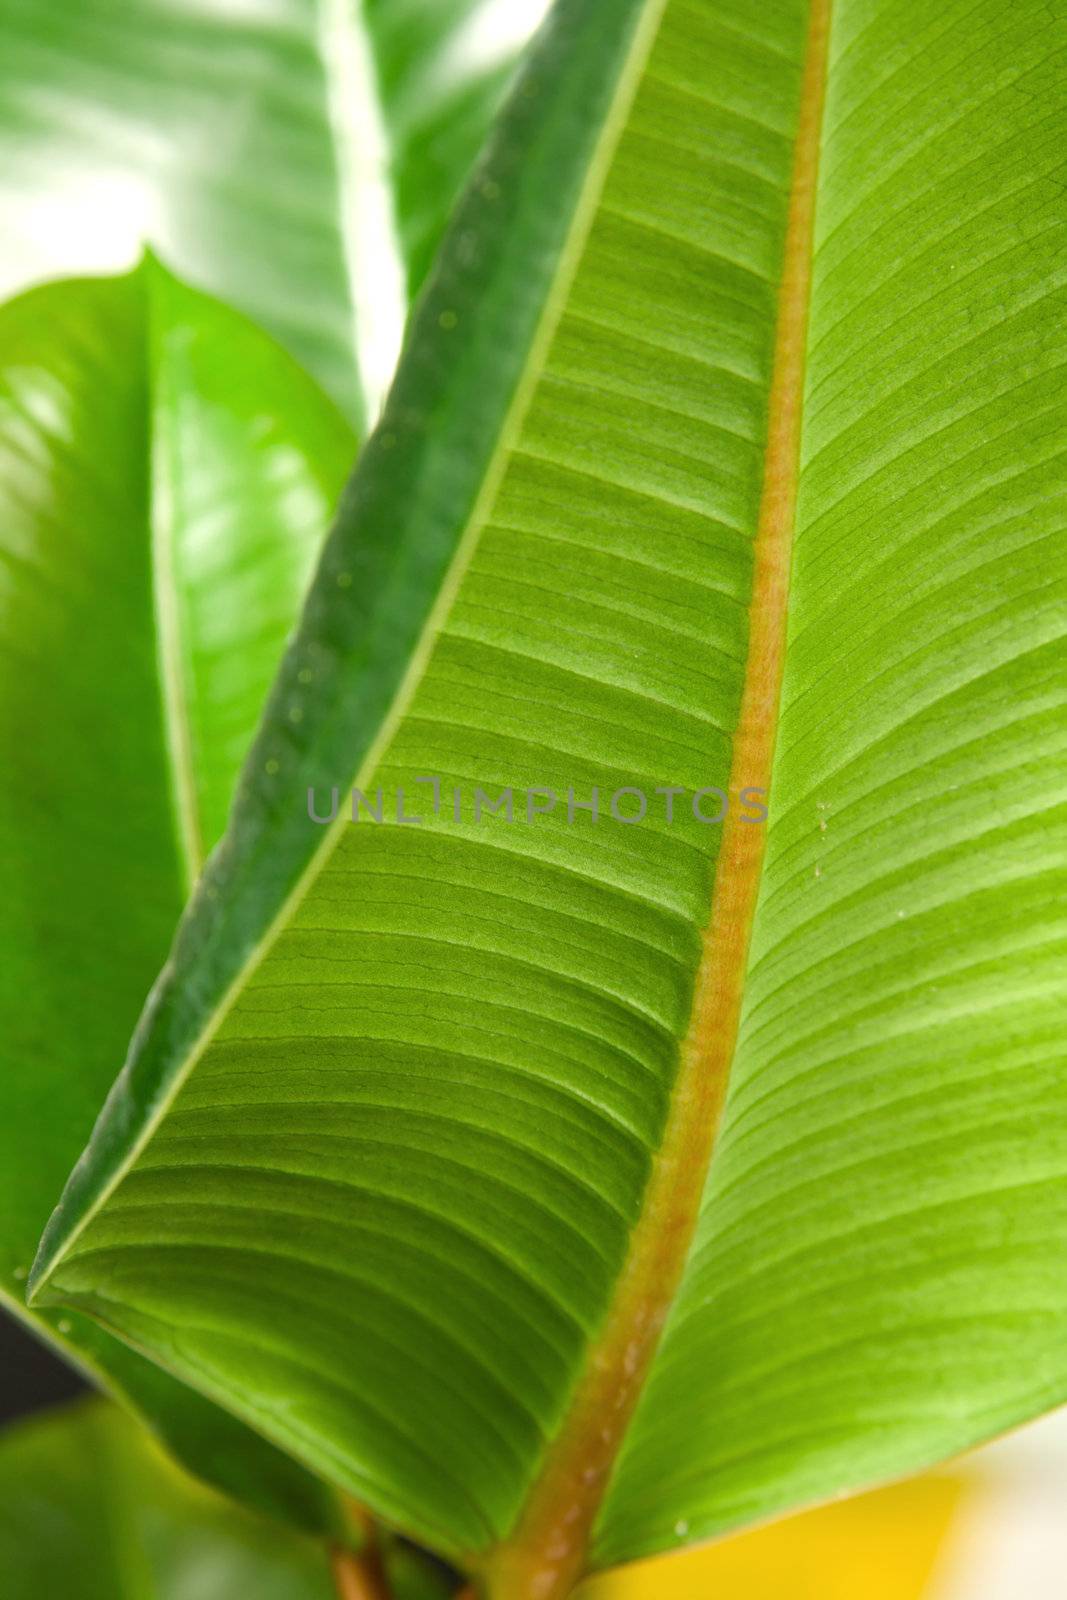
371	1174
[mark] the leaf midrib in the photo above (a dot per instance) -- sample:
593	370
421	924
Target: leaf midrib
546	1553
171	660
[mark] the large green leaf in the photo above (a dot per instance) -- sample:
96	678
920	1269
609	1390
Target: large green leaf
89	1509
296	157
165	475
406	1160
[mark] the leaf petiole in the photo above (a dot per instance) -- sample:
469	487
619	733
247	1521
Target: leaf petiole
359	1574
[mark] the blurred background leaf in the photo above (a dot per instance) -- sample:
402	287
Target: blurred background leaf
90	1509
297	158
166	473
443	66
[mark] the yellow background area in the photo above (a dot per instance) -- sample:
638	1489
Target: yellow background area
878	1546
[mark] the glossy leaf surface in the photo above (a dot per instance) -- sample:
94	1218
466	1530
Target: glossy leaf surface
405	1160
165	475
298	158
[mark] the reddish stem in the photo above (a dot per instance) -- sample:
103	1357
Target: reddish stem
359	1575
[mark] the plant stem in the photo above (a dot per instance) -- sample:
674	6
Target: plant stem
359	1574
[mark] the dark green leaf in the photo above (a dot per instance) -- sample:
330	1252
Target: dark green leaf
91	1510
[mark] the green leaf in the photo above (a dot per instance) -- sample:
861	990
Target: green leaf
90	1509
406	1162
165	471
298	158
